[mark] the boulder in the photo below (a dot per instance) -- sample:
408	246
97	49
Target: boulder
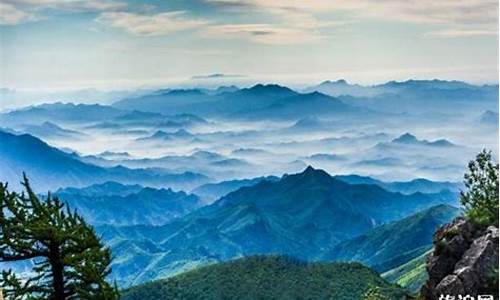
463	260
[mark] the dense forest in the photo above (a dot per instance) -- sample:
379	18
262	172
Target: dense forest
268	277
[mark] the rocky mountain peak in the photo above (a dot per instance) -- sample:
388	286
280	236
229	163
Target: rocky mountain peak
463	261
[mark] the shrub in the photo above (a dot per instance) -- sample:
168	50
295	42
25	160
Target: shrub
480	200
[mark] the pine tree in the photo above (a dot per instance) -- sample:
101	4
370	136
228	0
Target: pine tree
481	198
70	262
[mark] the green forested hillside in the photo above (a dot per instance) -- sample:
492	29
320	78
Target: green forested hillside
394	244
411	275
267	277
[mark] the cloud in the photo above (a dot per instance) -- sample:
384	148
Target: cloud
474	16
10	15
215	76
14	12
150	25
263	33
288	22
80	5
421	11
449	12
458	33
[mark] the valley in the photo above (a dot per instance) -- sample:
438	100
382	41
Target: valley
184	183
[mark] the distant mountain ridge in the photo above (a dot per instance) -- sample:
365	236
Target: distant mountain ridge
66	112
109	188
50	168
391	97
213	191
489	118
49	130
116	204
410	139
411	96
342	87
406	187
258	101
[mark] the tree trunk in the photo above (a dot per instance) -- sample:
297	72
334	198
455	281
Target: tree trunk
57	272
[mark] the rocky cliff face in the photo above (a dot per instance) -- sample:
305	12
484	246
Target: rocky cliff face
464	261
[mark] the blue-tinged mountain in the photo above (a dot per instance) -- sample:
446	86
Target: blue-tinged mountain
50	168
430	96
161	135
268	277
342	87
309	124
166	101
411	87
109	188
429	85
49	130
210	163
302	215
153	120
421	185
212	191
63	112
117	204
206	104
394	244
296	106
489	118
410	139
257	102
263	91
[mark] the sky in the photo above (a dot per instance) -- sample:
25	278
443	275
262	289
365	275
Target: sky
70	44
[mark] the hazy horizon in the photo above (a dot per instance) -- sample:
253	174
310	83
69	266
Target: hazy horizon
123	44
17	98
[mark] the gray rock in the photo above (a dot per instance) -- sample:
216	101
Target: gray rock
450	285
463	261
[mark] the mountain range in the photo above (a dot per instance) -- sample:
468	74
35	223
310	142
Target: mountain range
50	168
421	185
191	180
213	191
65	112
304	215
117	204
427	96
335	97
264	101
49	130
259	101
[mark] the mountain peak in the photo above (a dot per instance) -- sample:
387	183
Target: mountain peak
314	174
406	138
185	92
336	82
159	133
309	169
273	89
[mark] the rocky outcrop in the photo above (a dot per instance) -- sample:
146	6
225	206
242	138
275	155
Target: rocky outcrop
463	262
